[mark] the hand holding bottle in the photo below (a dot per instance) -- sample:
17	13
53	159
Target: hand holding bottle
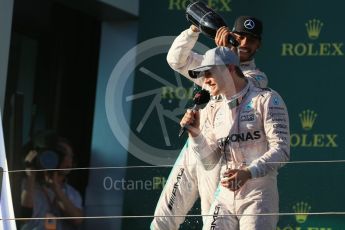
206	20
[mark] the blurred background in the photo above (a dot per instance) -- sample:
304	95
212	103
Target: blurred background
95	71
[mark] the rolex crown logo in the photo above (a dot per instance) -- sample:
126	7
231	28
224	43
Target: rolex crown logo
314	28
301	210
307	118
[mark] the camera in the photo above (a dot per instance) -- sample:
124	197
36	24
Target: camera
45	151
45	159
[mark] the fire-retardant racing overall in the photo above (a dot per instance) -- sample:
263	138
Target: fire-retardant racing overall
186	181
257	138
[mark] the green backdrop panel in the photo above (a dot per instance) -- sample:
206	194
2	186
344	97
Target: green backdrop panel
302	54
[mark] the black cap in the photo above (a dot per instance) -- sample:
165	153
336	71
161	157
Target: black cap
248	25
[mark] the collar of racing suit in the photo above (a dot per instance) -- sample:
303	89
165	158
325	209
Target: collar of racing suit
248	65
235	100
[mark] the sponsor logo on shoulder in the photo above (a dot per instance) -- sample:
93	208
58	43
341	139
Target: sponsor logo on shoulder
280	126
259	77
276	108
276	101
249	106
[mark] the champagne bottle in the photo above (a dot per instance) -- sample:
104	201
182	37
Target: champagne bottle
207	20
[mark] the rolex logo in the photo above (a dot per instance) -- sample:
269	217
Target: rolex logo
308	140
307	118
301	210
314	28
313	48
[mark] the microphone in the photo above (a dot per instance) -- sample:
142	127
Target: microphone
200	100
207	20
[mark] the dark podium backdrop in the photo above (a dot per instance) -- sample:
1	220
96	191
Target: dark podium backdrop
302	55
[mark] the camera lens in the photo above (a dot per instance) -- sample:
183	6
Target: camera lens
48	159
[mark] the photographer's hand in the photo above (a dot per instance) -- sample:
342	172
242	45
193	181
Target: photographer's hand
55	182
64	203
26	198
29	161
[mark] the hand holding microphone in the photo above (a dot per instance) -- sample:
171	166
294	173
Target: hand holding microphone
191	119
191	122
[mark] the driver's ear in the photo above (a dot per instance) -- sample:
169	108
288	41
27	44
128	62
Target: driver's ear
259	46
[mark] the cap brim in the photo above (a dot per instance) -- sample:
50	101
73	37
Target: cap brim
246	32
196	72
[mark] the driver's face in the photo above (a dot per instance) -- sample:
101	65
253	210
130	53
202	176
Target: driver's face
248	46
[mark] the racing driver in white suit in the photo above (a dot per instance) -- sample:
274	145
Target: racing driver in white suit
186	181
249	133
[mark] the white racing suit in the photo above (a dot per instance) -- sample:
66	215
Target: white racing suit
186	182
258	139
